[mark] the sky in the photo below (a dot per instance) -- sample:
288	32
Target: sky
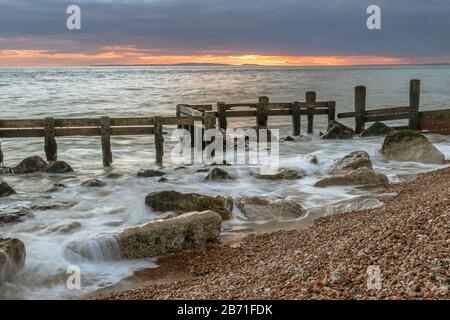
276	32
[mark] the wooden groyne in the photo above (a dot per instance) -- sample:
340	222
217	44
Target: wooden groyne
216	116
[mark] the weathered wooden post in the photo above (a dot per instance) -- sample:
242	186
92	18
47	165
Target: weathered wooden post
310	103
296	118
331	111
209	122
51	148
360	108
1	155
414	104
105	132
262	112
159	140
222	115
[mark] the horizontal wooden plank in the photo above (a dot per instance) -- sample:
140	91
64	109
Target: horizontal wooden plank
198	107
22	123
435	114
388	111
230	106
190	112
22	133
343	115
387	117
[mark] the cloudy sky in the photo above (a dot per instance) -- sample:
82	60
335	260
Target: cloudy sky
275	32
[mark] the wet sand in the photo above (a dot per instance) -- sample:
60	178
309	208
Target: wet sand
407	239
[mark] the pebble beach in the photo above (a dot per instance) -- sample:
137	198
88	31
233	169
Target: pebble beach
407	240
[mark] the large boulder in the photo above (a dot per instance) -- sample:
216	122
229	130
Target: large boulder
190	231
12	257
337	130
352	161
59	167
255	208
189	202
5	189
282	174
218	174
408	145
359	177
30	165
377	129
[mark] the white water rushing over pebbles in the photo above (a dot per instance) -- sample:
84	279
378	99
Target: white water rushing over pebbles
87	92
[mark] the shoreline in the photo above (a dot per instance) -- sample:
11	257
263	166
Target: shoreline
406	238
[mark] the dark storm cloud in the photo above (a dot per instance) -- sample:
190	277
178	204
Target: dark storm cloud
293	27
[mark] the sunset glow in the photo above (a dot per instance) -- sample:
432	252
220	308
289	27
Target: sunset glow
130	56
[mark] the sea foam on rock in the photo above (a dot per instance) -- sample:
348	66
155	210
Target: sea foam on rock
190	231
188	202
12	257
408	145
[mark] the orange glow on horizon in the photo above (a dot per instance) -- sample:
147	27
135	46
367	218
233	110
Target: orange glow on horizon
129	55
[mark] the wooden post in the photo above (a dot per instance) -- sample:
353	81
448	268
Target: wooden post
178	113
222	115
1	155
262	112
296	119
310	101
51	148
414	104
209	122
159	140
360	108
105	131
331	111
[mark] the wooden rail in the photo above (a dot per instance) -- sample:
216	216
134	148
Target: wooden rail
104	127
264	108
362	115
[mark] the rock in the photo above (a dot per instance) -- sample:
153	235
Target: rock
190	231
93	183
359	177
57	187
59	167
255	208
283	174
189	202
5	189
337	130
64	229
12	257
147	173
352	161
14	216
313	159
377	129
30	165
163	179
408	145
218	174
287	138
